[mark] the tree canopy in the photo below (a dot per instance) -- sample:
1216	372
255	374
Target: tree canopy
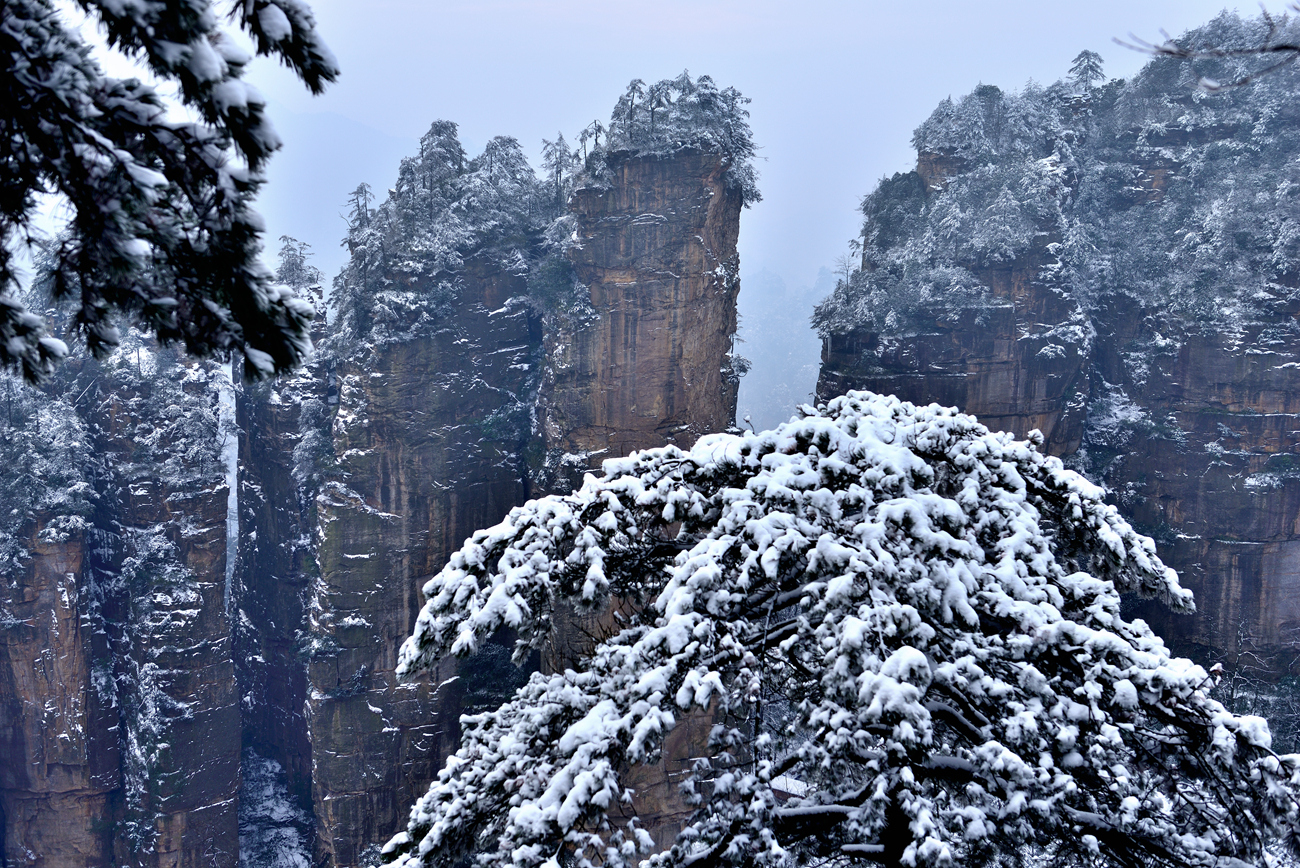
445	209
908	631
1087	69
162	229
682	112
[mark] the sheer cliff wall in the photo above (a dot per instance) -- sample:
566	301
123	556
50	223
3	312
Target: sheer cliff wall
119	713
437	436
1192	423
61	757
429	437
657	250
144	663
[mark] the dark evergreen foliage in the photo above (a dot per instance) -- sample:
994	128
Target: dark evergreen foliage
1087	69
162	230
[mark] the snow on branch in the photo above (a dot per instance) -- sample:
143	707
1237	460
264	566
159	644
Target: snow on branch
162	231
957	681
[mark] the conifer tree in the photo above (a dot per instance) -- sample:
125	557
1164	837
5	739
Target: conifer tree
907	630
1086	70
162	230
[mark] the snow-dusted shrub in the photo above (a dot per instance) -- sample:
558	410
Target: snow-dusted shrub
908	625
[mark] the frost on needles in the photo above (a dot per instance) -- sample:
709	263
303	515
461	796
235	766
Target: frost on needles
161	231
915	618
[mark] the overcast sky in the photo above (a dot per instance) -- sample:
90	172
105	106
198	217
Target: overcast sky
837	88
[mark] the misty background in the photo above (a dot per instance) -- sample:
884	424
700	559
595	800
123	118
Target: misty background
837	88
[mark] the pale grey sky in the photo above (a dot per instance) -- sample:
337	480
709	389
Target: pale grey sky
837	88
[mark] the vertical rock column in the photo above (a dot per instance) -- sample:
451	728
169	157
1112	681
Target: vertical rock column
440	435
59	746
119	719
651	366
277	563
657	250
429	438
164	576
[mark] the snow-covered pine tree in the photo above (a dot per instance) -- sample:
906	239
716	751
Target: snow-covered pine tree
162	229
559	161
295	272
1086	70
909	631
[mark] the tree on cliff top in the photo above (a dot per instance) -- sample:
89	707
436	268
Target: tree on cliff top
907	630
162	227
1086	70
406	255
680	113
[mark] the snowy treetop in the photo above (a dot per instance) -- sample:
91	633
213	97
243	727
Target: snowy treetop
916	619
682	113
446	208
1153	188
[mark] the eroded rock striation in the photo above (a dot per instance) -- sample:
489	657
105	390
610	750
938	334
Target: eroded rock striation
649	365
441	434
119	712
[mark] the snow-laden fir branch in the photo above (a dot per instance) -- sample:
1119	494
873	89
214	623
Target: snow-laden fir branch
961	683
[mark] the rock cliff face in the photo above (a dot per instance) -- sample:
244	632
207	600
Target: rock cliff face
1104	288
987	359
180	707
435	438
1200	453
191	677
430	438
61	767
650	366
118	709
